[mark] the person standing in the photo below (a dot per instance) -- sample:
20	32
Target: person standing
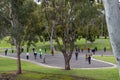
12	50
35	55
89	59
104	49
6	50
76	55
79	50
27	55
86	57
40	52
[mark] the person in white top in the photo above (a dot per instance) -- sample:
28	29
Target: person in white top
27	56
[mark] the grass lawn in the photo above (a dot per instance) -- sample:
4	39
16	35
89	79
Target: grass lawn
99	43
106	58
35	72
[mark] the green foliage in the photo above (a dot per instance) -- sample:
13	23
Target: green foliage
99	43
35	29
4	43
4	20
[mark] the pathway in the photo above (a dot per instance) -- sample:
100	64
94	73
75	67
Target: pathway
58	61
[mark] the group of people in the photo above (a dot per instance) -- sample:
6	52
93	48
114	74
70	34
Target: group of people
40	53
77	51
35	54
87	56
6	51
90	50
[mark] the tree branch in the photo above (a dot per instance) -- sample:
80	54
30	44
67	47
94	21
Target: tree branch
5	17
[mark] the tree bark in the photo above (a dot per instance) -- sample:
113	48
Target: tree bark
19	60
112	12
67	60
51	43
67	64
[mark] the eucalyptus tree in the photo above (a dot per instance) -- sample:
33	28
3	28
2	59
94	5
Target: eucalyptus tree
19	11
112	11
16	15
66	18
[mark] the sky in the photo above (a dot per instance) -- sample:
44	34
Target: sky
37	1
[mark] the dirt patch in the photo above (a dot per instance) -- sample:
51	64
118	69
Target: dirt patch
7	76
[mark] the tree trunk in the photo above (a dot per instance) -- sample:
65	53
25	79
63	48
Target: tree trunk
51	43
51	37
16	30
67	60
112	12
67	64
19	60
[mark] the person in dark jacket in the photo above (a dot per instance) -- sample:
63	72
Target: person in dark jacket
35	55
104	49
6	50
76	55
89	59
